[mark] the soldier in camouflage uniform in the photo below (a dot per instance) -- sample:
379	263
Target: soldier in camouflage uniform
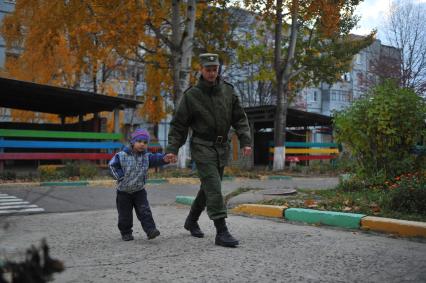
209	108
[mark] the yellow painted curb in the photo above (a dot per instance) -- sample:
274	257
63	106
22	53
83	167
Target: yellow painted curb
183	181
102	182
261	210
394	226
23	184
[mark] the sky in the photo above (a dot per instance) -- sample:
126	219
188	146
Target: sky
373	14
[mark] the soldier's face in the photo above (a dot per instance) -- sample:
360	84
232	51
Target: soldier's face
210	73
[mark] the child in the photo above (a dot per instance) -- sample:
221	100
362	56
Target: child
130	168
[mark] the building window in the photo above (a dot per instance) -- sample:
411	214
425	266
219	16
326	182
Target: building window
347	77
340	95
315	96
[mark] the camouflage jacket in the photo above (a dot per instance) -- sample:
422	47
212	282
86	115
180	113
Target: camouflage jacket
209	111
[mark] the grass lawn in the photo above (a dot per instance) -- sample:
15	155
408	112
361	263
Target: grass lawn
369	202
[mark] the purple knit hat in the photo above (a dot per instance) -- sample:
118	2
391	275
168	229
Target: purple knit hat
139	135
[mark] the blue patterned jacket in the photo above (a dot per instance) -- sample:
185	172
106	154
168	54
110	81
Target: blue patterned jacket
130	169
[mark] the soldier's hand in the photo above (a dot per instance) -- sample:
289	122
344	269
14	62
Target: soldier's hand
247	151
170	158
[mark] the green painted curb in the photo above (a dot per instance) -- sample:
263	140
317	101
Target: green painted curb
156	181
228	178
77	183
279	178
185	199
332	218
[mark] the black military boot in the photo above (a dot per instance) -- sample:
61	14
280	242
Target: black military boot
223	237
191	224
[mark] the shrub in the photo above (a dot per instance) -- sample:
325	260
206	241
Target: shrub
381	130
322	167
408	193
7	176
49	173
88	171
344	163
356	182
71	169
351	184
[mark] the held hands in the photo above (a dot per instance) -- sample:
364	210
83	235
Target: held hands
247	151
170	158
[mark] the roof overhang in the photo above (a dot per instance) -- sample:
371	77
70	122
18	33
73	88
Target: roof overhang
263	116
56	100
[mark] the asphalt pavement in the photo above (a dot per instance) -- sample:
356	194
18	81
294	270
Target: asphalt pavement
89	244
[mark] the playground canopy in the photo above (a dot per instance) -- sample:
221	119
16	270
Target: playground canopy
56	100
264	116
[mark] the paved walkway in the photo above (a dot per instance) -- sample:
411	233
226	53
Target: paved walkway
271	251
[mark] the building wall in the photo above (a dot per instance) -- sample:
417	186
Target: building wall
6	6
325	99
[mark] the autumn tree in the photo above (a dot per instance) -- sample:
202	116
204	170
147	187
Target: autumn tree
311	45
58	43
405	29
254	61
70	42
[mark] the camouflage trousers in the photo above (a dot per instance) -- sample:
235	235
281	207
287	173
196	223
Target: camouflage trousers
210	193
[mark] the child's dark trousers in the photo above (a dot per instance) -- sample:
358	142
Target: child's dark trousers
125	204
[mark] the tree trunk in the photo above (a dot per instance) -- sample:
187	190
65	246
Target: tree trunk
176	52
278	123
182	55
283	74
187	46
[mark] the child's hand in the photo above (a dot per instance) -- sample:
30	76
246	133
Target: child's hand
170	158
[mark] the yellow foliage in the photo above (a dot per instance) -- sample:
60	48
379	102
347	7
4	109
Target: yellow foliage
328	12
57	42
153	108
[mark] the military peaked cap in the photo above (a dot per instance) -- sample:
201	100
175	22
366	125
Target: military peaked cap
209	59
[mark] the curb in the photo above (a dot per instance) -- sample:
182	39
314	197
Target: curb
277	177
185	199
102	182
394	226
57	184
330	218
261	210
184	181
28	184
157	181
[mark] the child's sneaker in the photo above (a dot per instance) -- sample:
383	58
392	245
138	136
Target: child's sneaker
127	237
153	234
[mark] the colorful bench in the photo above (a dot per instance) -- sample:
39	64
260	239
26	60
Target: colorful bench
38	140
302	151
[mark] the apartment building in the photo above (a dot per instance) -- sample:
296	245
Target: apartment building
6	7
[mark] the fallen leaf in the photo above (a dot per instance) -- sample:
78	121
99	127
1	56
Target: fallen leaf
311	203
347	208
376	209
